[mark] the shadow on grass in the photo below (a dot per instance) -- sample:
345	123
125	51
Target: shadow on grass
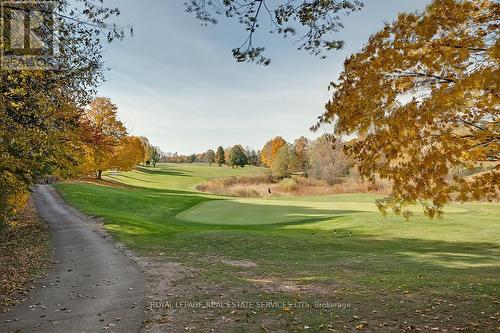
116	178
169	191
322	255
146	218
166	171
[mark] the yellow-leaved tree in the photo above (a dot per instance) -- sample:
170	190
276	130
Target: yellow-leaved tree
128	153
270	150
423	97
40	109
105	133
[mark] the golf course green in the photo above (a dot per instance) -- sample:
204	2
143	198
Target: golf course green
336	247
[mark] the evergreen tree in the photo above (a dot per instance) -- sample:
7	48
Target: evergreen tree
238	157
253	159
219	157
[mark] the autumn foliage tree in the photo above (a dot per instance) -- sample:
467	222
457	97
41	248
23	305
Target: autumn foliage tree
106	135
40	109
281	163
146	147
128	153
327	160
37	138
300	158
423	95
270	150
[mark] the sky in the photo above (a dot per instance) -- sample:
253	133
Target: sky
176	82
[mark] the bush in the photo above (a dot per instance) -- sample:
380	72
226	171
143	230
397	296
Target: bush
288	184
245	186
259	185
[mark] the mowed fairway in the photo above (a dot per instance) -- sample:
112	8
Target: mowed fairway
282	210
393	273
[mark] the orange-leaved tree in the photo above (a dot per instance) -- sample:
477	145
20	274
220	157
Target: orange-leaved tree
423	97
105	133
270	150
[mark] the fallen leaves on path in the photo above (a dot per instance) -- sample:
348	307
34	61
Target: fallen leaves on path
24	247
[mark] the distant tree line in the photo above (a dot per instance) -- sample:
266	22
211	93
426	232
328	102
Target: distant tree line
322	159
235	156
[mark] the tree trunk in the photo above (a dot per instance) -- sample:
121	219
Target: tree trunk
99	174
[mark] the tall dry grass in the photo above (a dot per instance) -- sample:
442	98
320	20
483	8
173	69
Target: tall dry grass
259	186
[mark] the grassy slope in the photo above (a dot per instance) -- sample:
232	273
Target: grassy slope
185	177
399	269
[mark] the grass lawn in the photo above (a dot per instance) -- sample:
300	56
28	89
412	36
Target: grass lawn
389	273
185	177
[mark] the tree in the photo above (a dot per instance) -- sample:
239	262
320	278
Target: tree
146	146
253	158
327	160
238	157
317	18
423	96
270	150
300	160
210	156
128	153
40	110
154	155
219	157
281	163
106	133
227	154
37	138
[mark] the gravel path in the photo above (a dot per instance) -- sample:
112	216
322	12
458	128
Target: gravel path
93	287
